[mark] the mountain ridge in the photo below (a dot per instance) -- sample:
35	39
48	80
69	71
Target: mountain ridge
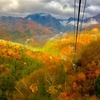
44	27
51	22
65	25
46	20
21	29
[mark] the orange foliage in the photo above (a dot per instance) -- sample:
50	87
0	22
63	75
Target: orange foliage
67	50
65	96
97	72
85	39
74	86
81	76
93	98
46	58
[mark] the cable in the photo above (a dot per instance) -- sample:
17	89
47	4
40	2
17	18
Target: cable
77	26
74	16
74	25
83	15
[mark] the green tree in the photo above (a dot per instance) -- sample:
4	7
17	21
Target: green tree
2	95
97	86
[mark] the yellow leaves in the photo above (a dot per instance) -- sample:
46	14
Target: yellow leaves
29	53
45	57
34	88
94	30
52	90
85	39
59	86
66	46
9	50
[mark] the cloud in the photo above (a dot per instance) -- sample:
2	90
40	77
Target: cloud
8	5
93	9
57	8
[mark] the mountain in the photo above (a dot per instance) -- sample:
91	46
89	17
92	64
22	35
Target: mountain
91	20
85	23
51	22
19	29
38	28
68	24
97	17
22	24
46	20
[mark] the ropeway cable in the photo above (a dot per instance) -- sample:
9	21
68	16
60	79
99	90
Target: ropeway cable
83	15
77	29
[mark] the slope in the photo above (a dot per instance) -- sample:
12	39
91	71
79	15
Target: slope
46	75
19	29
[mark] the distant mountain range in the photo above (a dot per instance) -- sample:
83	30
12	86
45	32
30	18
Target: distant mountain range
21	30
97	18
39	26
22	24
64	25
46	20
51	22
85	22
41	20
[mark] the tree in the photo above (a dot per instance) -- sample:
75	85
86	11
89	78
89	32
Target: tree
91	53
2	95
97	86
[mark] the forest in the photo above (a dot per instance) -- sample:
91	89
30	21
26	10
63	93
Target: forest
53	71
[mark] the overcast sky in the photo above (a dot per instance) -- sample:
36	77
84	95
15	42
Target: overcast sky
57	8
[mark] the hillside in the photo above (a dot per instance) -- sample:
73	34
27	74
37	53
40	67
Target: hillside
52	72
36	29
19	30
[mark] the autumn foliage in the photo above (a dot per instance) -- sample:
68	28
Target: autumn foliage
51	72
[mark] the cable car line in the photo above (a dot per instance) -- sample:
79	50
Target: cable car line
83	15
74	16
77	29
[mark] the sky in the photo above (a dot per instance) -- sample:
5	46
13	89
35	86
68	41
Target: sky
57	8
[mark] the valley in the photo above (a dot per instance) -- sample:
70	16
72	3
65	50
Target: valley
51	72
38	60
